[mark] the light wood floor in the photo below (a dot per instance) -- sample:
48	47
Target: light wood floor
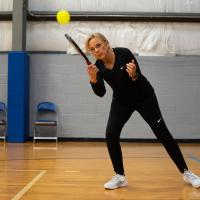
78	170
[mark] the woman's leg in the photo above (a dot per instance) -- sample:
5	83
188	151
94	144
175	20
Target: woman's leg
119	114
149	110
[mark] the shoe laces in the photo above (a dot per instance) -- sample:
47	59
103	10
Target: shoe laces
191	175
116	177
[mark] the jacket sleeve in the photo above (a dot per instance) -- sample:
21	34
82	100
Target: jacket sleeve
99	87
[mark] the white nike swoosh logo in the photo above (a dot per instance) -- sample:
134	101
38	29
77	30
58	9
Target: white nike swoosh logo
159	120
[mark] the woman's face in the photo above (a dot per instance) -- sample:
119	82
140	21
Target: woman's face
98	48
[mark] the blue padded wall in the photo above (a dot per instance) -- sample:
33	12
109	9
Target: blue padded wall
18	97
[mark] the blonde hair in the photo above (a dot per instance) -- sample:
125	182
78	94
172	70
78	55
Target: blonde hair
94	35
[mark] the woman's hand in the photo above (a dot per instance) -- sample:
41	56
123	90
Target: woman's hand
131	69
92	72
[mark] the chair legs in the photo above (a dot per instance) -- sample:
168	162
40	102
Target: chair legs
44	139
3	134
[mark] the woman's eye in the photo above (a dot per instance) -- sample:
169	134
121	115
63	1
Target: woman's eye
98	45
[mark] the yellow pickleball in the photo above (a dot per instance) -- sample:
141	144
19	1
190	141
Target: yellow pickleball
63	17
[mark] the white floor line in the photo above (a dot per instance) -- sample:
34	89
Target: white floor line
28	186
22	170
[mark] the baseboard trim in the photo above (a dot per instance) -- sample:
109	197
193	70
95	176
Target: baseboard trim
133	140
136	140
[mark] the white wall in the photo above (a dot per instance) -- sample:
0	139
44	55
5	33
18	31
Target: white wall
117	5
6	5
63	80
3	78
142	38
111	5
5	36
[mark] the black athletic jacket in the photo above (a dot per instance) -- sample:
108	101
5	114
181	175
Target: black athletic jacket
125	90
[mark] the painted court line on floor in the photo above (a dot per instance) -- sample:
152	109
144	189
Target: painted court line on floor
29	185
194	158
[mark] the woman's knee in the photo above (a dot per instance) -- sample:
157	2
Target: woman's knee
161	132
112	136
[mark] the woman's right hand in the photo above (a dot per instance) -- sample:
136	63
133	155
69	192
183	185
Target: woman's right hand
92	72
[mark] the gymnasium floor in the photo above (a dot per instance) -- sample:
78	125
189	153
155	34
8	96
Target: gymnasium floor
78	170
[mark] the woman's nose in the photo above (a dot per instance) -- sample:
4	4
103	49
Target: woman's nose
96	50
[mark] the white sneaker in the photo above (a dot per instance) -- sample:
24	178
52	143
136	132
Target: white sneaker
191	178
117	181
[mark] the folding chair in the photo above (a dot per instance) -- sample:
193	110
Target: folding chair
46	122
2	121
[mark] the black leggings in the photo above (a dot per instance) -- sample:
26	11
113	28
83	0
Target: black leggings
149	110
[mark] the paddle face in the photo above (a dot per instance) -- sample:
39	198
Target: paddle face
77	48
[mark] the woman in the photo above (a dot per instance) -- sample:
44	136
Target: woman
131	92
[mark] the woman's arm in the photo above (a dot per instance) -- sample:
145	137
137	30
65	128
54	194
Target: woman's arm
96	80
